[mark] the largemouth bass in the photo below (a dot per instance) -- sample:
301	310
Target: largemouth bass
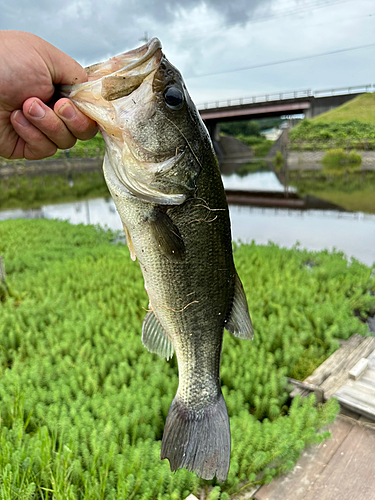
163	175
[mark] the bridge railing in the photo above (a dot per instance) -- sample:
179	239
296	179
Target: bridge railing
357	89
290	94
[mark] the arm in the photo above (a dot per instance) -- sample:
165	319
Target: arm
30	67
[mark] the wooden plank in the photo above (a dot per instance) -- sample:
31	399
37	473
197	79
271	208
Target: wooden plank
359	395
350	472
358	369
341	374
328	366
304	388
371	360
312	463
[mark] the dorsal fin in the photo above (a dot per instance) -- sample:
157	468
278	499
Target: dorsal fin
239	322
155	338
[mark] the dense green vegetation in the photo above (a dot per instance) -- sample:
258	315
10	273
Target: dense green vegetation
310	135
85	149
249	128
83	403
22	192
361	108
338	160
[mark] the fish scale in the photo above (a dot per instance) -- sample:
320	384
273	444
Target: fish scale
161	170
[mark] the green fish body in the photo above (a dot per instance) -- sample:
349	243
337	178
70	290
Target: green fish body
163	175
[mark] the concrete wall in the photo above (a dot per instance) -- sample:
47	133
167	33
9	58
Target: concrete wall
320	105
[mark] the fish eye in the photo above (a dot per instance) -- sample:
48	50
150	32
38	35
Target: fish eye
174	98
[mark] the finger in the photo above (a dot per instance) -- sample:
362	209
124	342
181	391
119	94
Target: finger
44	119
79	124
32	143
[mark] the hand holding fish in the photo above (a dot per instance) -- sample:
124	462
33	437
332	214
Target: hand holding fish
30	67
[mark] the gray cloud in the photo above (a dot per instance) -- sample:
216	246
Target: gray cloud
207	36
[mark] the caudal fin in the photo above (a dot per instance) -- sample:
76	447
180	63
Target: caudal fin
198	441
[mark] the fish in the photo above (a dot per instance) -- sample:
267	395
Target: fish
163	175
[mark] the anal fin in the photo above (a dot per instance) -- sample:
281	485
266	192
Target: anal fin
155	338
239	322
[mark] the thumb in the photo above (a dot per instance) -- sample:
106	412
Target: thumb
63	68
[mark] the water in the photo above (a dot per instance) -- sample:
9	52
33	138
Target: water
352	233
257	181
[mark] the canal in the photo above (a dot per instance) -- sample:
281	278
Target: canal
351	232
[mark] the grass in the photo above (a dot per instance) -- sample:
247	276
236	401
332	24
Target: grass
361	108
83	404
338	160
351	125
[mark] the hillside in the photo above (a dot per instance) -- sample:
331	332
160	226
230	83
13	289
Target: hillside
361	108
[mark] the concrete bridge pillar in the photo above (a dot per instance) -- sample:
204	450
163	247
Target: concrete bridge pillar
214	131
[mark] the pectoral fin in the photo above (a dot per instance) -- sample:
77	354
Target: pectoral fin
129	243
155	338
167	236
239	322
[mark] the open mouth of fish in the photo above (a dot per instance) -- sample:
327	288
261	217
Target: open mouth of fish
120	96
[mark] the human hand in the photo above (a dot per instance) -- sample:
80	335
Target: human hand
30	67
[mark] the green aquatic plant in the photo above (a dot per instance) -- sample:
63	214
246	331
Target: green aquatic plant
337	161
83	403
278	161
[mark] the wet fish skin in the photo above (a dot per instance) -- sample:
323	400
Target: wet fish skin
163	175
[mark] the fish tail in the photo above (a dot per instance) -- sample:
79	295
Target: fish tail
198	441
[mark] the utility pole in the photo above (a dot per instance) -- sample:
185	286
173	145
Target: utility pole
145	37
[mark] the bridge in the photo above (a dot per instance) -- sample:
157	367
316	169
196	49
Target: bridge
310	103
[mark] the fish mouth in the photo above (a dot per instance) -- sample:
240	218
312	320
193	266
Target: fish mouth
119	91
117	77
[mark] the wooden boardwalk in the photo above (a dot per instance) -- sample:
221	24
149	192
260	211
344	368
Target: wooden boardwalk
328	379
341	468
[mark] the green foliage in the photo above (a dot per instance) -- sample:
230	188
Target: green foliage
85	149
37	191
338	160
83	404
260	145
278	161
309	135
247	128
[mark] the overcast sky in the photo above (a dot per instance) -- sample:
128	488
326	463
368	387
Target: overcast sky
216	38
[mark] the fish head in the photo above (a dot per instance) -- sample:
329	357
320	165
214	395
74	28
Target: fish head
153	132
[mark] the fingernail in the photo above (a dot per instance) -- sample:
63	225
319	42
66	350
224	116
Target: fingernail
36	110
67	111
20	118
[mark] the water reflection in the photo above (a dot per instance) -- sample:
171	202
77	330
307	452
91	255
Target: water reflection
255	181
352	233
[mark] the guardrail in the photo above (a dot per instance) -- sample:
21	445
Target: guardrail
289	94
